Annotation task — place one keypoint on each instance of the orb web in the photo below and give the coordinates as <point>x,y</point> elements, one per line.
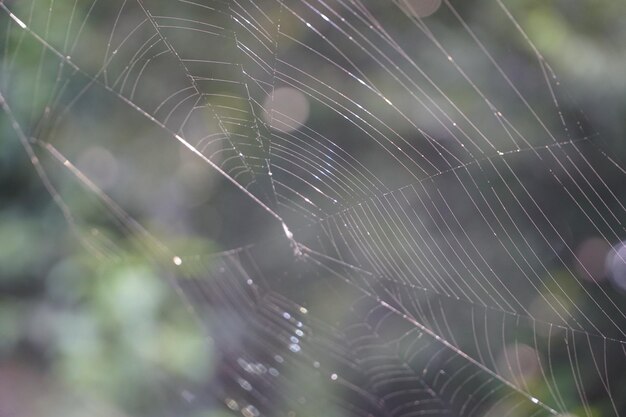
<point>398,183</point>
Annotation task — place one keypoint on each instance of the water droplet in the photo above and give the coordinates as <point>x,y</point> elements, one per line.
<point>232,404</point>
<point>250,411</point>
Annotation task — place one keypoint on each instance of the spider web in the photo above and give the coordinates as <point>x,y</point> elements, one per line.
<point>406,249</point>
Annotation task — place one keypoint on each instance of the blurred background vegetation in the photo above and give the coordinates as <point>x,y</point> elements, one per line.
<point>108,334</point>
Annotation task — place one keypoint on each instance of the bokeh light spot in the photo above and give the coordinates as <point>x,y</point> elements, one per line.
<point>99,165</point>
<point>286,110</point>
<point>420,8</point>
<point>591,255</point>
<point>616,265</point>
